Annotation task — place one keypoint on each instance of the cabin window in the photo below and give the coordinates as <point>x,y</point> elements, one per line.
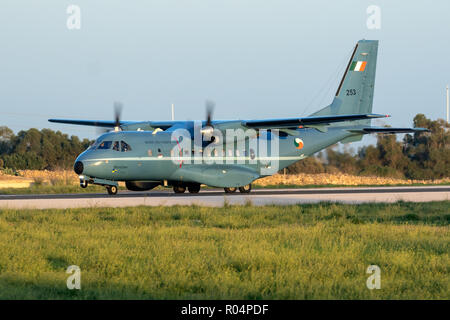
<point>116,146</point>
<point>105,145</point>
<point>124,146</point>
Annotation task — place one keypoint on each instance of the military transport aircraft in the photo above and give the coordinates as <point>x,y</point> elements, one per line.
<point>229,154</point>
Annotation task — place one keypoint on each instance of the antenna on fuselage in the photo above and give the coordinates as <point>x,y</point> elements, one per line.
<point>448,103</point>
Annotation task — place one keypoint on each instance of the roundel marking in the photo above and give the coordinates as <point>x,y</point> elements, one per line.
<point>298,143</point>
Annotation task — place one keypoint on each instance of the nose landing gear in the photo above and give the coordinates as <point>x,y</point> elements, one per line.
<point>111,186</point>
<point>83,183</point>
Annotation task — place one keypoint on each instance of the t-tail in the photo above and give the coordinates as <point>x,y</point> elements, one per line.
<point>355,92</point>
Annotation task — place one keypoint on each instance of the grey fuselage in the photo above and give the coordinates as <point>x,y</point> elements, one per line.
<point>151,158</point>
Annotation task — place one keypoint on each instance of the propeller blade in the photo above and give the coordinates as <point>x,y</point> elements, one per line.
<point>209,110</point>
<point>117,112</point>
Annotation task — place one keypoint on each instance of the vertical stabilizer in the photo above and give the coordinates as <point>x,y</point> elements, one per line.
<point>355,92</point>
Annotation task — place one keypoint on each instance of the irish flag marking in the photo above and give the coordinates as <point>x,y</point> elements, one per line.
<point>358,65</point>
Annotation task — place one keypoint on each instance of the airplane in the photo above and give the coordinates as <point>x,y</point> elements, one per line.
<point>147,154</point>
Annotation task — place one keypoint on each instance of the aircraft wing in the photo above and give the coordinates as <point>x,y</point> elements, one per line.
<point>95,123</point>
<point>388,130</point>
<point>259,124</point>
<point>316,120</point>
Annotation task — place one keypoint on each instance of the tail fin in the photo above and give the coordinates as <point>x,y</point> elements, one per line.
<point>355,92</point>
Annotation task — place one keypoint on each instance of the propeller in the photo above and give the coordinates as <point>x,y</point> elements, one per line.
<point>117,106</point>
<point>209,110</point>
<point>117,112</point>
<point>208,128</point>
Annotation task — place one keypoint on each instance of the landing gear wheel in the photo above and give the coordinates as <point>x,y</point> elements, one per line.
<point>83,184</point>
<point>112,190</point>
<point>179,189</point>
<point>230,190</point>
<point>194,188</point>
<point>246,189</point>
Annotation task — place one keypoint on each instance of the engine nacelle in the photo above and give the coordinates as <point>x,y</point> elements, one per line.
<point>141,185</point>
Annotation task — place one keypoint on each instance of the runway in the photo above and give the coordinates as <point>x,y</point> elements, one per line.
<point>217,198</point>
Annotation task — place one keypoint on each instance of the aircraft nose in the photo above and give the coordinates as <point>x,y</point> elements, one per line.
<point>78,167</point>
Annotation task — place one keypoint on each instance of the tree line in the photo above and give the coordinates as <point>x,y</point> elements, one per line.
<point>39,149</point>
<point>418,156</point>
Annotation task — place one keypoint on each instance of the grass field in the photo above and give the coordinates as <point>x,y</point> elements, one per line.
<point>235,252</point>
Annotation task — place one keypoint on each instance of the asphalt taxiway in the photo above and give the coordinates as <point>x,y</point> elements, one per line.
<point>217,198</point>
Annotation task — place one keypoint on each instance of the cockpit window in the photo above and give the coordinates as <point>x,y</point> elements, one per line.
<point>116,146</point>
<point>105,145</point>
<point>124,146</point>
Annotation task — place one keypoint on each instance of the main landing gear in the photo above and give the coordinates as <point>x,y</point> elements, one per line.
<point>244,189</point>
<point>192,188</point>
<point>112,190</point>
<point>230,190</point>
<point>179,189</point>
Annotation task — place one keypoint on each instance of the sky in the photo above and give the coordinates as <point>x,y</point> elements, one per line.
<point>255,59</point>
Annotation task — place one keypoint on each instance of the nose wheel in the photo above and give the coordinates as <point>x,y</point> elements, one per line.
<point>112,190</point>
<point>83,183</point>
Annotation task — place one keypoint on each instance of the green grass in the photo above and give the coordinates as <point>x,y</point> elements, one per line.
<point>314,251</point>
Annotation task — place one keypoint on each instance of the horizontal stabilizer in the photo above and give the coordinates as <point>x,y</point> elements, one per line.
<point>388,130</point>
<point>316,120</point>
